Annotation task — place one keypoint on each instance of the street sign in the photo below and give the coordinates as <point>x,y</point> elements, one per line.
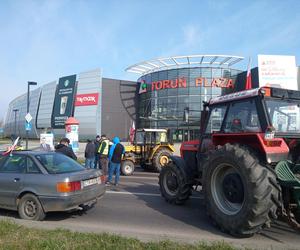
<point>28,126</point>
<point>28,117</point>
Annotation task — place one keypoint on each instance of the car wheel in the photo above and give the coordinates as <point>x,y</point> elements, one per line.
<point>30,208</point>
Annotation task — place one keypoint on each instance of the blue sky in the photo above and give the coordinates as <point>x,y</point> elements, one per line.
<point>43,40</point>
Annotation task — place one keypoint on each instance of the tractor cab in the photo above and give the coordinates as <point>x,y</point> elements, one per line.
<point>267,120</point>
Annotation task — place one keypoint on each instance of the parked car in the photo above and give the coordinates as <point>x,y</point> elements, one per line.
<point>34,183</point>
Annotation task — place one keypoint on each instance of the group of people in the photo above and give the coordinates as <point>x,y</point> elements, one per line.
<point>105,155</point>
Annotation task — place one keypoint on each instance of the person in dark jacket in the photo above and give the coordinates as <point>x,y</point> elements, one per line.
<point>97,155</point>
<point>115,156</point>
<point>63,148</point>
<point>89,154</point>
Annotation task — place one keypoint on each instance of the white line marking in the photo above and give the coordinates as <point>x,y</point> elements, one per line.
<point>140,177</point>
<point>144,194</point>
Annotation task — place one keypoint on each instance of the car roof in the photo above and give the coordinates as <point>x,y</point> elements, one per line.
<point>28,152</point>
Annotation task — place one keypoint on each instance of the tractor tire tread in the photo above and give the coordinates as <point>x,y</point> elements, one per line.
<point>264,186</point>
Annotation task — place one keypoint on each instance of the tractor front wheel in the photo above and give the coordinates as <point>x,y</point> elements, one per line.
<point>127,167</point>
<point>173,185</point>
<point>161,159</point>
<point>241,195</point>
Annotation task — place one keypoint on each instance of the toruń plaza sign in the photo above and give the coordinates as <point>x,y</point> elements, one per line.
<point>182,83</point>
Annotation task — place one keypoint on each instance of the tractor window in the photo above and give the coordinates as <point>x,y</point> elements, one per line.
<point>215,119</point>
<point>242,117</point>
<point>285,115</point>
<point>139,136</point>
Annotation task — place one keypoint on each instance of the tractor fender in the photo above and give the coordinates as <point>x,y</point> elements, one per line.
<point>183,167</point>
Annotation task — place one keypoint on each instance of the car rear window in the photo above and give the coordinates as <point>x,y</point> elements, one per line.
<point>56,163</point>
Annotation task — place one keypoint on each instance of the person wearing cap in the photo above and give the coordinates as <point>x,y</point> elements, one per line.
<point>97,155</point>
<point>103,154</point>
<point>63,148</point>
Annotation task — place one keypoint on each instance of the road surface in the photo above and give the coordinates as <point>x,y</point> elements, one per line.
<point>136,209</point>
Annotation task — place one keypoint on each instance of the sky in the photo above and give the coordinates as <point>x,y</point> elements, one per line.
<point>44,40</point>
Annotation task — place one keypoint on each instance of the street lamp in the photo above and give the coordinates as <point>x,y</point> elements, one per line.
<point>28,90</point>
<point>15,130</point>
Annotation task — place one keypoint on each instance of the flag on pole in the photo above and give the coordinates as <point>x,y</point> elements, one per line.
<point>131,132</point>
<point>12,148</point>
<point>248,78</point>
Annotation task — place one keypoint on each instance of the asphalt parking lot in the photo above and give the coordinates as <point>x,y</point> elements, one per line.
<point>136,209</point>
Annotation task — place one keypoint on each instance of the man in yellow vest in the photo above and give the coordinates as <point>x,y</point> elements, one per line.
<point>103,154</point>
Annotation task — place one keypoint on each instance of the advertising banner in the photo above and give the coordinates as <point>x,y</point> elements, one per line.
<point>64,101</point>
<point>277,71</point>
<point>72,132</point>
<point>87,99</point>
<point>48,139</point>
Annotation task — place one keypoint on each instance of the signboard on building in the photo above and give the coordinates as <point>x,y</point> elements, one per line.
<point>87,99</point>
<point>277,71</point>
<point>64,101</point>
<point>181,82</point>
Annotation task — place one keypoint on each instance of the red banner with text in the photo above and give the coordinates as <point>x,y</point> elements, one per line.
<point>87,99</point>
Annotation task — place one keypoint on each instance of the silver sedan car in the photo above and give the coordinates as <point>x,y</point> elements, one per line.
<point>34,183</point>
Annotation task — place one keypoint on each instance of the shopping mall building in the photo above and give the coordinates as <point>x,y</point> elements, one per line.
<point>167,88</point>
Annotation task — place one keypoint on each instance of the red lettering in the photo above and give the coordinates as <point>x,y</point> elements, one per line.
<point>174,83</point>
<point>153,84</point>
<point>206,84</point>
<point>159,85</point>
<point>199,82</point>
<point>214,83</point>
<point>230,84</point>
<point>166,84</point>
<point>182,82</point>
<point>222,82</point>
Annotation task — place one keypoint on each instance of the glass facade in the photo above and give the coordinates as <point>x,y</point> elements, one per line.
<point>166,96</point>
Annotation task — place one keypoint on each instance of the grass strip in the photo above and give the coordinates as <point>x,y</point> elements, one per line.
<point>14,236</point>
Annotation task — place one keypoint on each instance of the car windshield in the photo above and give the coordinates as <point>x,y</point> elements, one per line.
<point>56,163</point>
<point>285,115</point>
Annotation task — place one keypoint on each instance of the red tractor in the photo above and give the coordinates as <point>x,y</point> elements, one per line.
<point>246,161</point>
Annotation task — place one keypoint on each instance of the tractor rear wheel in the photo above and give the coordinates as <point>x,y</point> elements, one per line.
<point>241,195</point>
<point>161,159</point>
<point>173,185</point>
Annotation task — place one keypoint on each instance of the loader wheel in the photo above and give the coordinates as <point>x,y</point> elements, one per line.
<point>127,167</point>
<point>173,185</point>
<point>241,195</point>
<point>161,159</point>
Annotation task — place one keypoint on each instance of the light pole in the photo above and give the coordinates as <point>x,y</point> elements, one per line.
<point>15,130</point>
<point>186,119</point>
<point>28,91</point>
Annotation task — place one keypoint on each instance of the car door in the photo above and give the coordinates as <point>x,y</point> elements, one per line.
<point>12,171</point>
